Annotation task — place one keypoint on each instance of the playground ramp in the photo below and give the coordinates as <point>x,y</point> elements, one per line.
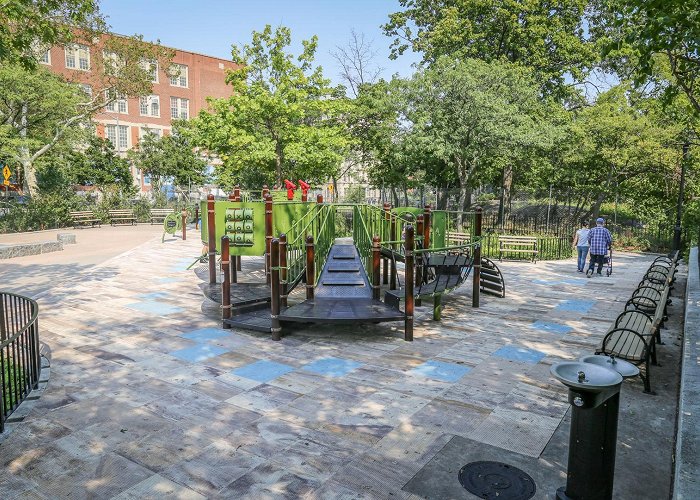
<point>343,295</point>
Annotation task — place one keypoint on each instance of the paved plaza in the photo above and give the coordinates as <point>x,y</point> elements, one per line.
<point>149,398</point>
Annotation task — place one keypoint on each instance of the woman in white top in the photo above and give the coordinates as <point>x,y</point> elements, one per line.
<point>581,244</point>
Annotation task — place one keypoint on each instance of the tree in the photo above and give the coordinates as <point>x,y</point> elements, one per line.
<point>549,37</point>
<point>38,109</point>
<point>283,119</point>
<point>475,116</point>
<point>648,37</point>
<point>356,61</point>
<point>28,27</point>
<point>170,158</point>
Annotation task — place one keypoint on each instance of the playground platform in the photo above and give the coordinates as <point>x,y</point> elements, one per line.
<point>149,398</point>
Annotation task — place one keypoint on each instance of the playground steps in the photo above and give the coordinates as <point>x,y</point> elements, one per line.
<point>343,294</point>
<point>492,281</point>
<point>256,320</point>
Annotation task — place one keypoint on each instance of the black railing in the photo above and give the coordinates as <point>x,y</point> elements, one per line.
<point>20,362</point>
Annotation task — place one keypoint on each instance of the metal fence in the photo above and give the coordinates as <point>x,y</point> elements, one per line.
<point>20,362</point>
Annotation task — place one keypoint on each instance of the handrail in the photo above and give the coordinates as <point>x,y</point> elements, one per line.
<point>19,351</point>
<point>296,242</point>
<point>362,239</point>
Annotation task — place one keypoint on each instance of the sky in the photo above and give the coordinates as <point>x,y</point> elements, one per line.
<point>211,26</point>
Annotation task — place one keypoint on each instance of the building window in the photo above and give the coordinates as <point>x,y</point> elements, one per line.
<point>119,105</point>
<point>179,108</point>
<point>78,57</point>
<point>113,64</point>
<point>151,66</point>
<point>45,58</point>
<point>118,135</point>
<point>178,76</point>
<point>150,131</point>
<point>149,106</point>
<point>86,88</point>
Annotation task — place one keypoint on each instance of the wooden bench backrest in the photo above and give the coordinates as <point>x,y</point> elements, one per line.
<point>83,213</point>
<point>528,240</point>
<point>121,212</point>
<point>162,211</point>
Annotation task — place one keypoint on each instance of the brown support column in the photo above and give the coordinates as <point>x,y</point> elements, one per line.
<point>376,260</point>
<point>196,217</point>
<point>226,283</point>
<point>419,258</point>
<point>265,191</point>
<point>275,327</point>
<point>231,197</point>
<point>392,237</point>
<point>283,268</point>
<point>183,214</point>
<point>304,195</point>
<point>319,198</point>
<point>385,232</point>
<point>268,236</point>
<point>211,230</point>
<point>409,246</point>
<point>476,285</point>
<point>236,193</point>
<point>310,268</point>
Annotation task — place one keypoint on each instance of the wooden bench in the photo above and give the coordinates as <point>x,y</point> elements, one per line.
<point>159,214</point>
<point>517,244</point>
<point>455,238</point>
<point>84,218</point>
<point>125,216</point>
<point>632,338</point>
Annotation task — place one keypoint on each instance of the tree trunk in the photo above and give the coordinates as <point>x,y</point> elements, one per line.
<point>504,207</point>
<point>443,195</point>
<point>405,196</point>
<point>394,196</point>
<point>30,184</point>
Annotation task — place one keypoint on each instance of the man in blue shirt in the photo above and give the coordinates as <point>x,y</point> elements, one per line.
<point>599,240</point>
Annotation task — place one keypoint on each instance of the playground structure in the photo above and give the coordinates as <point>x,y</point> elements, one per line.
<point>343,254</point>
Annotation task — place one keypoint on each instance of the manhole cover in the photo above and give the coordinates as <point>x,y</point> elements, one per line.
<point>494,480</point>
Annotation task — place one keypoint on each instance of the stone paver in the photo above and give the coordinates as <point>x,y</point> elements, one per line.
<point>149,398</point>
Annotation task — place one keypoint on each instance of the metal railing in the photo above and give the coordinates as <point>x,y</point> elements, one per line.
<point>20,363</point>
<point>318,223</point>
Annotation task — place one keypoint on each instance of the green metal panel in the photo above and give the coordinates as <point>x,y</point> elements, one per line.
<point>284,215</point>
<point>438,230</point>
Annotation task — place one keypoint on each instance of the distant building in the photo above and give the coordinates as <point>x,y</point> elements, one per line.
<point>125,121</point>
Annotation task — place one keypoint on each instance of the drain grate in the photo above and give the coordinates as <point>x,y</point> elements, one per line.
<point>495,480</point>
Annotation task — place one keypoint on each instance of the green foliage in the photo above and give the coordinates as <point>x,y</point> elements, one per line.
<point>28,26</point>
<point>548,37</point>
<point>169,158</point>
<point>282,121</point>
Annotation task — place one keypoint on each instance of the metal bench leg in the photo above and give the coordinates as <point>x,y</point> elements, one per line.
<point>437,307</point>
<point>645,377</point>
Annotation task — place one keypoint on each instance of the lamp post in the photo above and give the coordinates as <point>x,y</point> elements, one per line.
<point>679,206</point>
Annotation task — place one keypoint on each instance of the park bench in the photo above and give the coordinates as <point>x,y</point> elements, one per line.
<point>517,244</point>
<point>632,338</point>
<point>159,214</point>
<point>454,238</point>
<point>84,218</point>
<point>125,216</point>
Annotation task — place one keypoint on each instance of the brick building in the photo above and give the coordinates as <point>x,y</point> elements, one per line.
<point>125,121</point>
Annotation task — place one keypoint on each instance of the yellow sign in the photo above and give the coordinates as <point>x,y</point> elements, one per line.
<point>6,173</point>
<point>330,187</point>
<point>6,182</point>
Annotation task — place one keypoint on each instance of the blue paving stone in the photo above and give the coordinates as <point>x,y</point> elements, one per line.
<point>262,371</point>
<point>206,334</point>
<point>332,367</point>
<point>200,352</point>
<point>447,372</point>
<point>582,306</point>
<point>519,354</point>
<point>551,327</point>
<point>168,280</point>
<point>156,308</point>
<point>575,281</point>
<point>544,282</point>
<point>153,296</point>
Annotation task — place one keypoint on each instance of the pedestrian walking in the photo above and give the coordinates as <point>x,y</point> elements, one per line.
<point>581,245</point>
<point>600,242</point>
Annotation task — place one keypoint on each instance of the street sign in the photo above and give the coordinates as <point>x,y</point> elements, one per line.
<point>6,182</point>
<point>6,173</point>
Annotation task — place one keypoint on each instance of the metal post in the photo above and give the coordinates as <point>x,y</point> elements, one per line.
<point>226,282</point>
<point>237,193</point>
<point>476,285</point>
<point>211,230</point>
<point>319,198</point>
<point>427,220</point>
<point>236,197</point>
<point>196,217</point>
<point>310,271</point>
<point>275,327</point>
<point>283,268</point>
<point>184,224</point>
<point>376,259</point>
<point>265,191</point>
<point>408,322</point>
<point>679,206</point>
<point>268,236</point>
<point>385,231</point>
<point>304,196</point>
